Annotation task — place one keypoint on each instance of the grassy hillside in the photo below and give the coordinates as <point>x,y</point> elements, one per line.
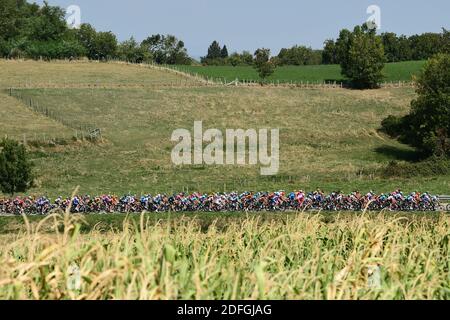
<point>35,73</point>
<point>402,71</point>
<point>328,138</point>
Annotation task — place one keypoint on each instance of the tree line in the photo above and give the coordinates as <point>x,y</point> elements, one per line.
<point>297,55</point>
<point>28,30</point>
<point>396,48</point>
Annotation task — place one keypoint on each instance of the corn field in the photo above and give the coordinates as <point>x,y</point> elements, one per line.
<point>299,257</point>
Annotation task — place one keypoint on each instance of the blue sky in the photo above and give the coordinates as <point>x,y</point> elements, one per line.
<point>251,24</point>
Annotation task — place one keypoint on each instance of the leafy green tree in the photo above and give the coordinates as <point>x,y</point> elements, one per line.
<point>177,52</point>
<point>239,59</point>
<point>247,58</point>
<point>98,45</point>
<point>362,57</point>
<point>47,24</point>
<point>166,49</point>
<point>28,30</point>
<point>342,47</point>
<point>404,49</point>
<point>427,127</point>
<point>264,66</point>
<point>329,55</point>
<point>131,51</point>
<point>315,57</point>
<point>426,45</point>
<point>445,41</point>
<point>105,45</point>
<point>391,46</point>
<point>4,48</point>
<point>416,47</point>
<point>15,168</point>
<point>299,55</point>
<point>396,48</point>
<point>86,35</point>
<point>234,59</point>
<point>9,16</point>
<point>156,47</point>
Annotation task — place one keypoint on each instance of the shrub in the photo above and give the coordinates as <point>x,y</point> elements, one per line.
<point>15,168</point>
<point>427,127</point>
<point>4,48</point>
<point>393,126</point>
<point>131,51</point>
<point>263,64</point>
<point>49,50</point>
<point>433,166</point>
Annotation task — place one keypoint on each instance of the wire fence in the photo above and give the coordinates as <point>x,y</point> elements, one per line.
<point>223,81</point>
<point>189,78</point>
<point>43,138</point>
<point>82,131</point>
<point>180,83</point>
